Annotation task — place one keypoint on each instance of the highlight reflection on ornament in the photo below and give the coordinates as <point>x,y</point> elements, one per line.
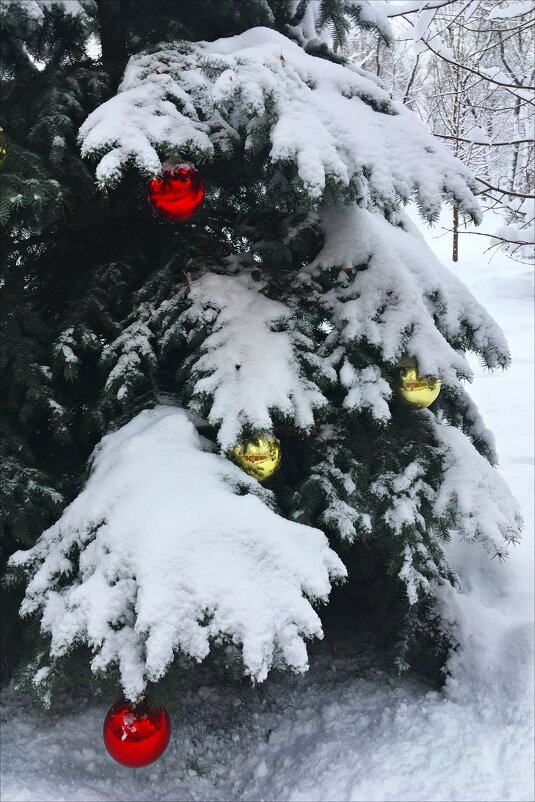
<point>136,734</point>
<point>178,194</point>
<point>258,456</point>
<point>418,391</point>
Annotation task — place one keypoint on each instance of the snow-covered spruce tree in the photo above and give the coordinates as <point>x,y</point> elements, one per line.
<point>287,305</point>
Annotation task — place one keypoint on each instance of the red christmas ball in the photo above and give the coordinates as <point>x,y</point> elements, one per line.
<point>178,194</point>
<point>136,734</point>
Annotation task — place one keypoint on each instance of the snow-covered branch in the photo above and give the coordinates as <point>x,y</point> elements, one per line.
<point>347,137</point>
<point>162,571</point>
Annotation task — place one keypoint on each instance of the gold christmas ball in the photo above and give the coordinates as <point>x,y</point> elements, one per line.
<point>259,456</point>
<point>417,391</point>
<point>3,147</point>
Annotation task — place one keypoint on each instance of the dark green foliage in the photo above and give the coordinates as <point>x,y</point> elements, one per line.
<point>332,14</point>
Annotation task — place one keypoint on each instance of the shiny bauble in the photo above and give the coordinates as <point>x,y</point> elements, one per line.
<point>415,391</point>
<point>178,194</point>
<point>3,147</point>
<point>258,456</point>
<point>136,734</point>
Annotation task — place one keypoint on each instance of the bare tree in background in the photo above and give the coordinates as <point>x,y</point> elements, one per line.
<point>468,69</point>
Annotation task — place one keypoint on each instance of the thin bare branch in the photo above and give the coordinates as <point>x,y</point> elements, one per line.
<point>509,192</point>
<point>416,7</point>
<point>486,144</point>
<point>491,236</point>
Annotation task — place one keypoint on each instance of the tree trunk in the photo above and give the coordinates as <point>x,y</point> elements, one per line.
<point>114,57</point>
<point>112,40</point>
<point>406,95</point>
<point>455,253</point>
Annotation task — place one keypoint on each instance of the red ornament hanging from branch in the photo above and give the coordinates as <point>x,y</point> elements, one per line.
<point>178,194</point>
<point>136,734</point>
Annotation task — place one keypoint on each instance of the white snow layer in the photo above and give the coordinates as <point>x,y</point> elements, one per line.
<point>247,367</point>
<point>404,301</point>
<point>333,122</point>
<point>35,8</point>
<point>159,529</point>
<point>467,479</point>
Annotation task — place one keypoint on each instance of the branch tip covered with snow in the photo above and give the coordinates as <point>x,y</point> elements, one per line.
<point>332,122</point>
<point>249,366</point>
<point>172,559</point>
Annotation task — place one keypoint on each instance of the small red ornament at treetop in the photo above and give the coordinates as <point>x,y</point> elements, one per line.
<point>136,734</point>
<point>178,194</point>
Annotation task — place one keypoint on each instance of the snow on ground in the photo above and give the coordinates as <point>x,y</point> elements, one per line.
<point>349,730</point>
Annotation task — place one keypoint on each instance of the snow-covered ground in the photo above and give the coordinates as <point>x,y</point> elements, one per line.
<point>349,730</point>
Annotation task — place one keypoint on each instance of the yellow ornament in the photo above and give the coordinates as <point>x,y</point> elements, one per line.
<point>417,391</point>
<point>258,456</point>
<point>3,147</point>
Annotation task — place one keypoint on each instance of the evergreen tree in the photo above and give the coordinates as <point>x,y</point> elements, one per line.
<point>139,353</point>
